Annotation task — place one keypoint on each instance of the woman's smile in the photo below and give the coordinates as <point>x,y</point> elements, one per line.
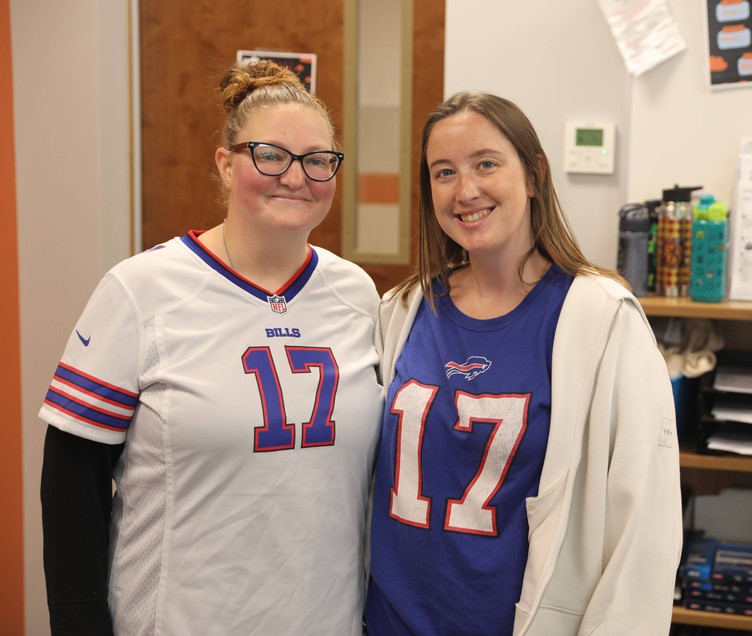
<point>477,215</point>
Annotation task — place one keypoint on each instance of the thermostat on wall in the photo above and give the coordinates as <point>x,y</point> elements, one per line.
<point>589,147</point>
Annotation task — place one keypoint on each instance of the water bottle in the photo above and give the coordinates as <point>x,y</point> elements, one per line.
<point>633,257</point>
<point>709,231</point>
<point>675,241</point>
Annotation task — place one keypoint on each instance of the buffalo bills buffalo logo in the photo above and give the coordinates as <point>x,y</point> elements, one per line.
<point>472,367</point>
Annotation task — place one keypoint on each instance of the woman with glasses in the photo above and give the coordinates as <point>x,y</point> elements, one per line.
<point>527,475</point>
<point>226,381</point>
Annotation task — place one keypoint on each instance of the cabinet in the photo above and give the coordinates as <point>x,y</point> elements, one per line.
<point>707,474</point>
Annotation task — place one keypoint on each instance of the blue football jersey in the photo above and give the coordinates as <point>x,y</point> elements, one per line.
<point>462,446</point>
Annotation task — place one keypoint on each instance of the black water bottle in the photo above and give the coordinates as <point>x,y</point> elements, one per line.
<point>633,257</point>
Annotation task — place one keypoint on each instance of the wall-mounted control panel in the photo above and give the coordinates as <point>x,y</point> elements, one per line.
<point>589,147</point>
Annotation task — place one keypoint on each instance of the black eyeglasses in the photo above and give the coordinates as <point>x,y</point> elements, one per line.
<point>273,161</point>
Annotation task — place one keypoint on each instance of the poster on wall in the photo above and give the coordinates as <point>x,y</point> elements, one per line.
<point>302,64</point>
<point>729,27</point>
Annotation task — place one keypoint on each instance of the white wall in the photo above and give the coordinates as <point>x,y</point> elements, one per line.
<point>558,62</point>
<point>683,132</point>
<point>70,84</point>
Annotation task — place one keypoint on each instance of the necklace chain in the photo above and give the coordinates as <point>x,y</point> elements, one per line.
<point>224,241</point>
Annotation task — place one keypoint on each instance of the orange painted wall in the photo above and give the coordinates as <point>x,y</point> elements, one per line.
<point>11,478</point>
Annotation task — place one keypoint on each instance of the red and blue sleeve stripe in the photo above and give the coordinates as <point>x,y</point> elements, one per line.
<point>90,400</point>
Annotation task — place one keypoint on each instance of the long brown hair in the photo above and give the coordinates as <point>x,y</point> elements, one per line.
<point>439,255</point>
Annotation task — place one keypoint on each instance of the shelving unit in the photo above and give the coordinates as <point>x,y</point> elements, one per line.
<point>706,619</point>
<point>709,473</point>
<point>726,463</point>
<point>686,308</point>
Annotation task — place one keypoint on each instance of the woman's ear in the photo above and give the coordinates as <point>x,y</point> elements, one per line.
<point>224,165</point>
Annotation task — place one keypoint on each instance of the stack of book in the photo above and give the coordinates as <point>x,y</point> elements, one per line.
<point>716,576</point>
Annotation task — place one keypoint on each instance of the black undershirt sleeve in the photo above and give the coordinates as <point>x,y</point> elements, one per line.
<point>76,493</point>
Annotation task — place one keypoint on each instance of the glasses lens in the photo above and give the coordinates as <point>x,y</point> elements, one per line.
<point>271,160</point>
<point>320,166</point>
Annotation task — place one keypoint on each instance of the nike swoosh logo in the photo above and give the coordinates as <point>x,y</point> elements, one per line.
<point>84,341</point>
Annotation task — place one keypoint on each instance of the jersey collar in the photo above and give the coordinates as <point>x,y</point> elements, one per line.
<point>277,299</point>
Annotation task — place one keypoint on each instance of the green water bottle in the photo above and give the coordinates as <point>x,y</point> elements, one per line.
<point>709,232</point>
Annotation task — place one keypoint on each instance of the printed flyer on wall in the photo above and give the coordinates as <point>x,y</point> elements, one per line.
<point>646,33</point>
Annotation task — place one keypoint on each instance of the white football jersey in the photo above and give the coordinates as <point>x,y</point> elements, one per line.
<point>249,420</point>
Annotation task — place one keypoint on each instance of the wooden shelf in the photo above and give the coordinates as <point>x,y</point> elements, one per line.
<point>685,307</point>
<point>711,619</point>
<point>731,463</point>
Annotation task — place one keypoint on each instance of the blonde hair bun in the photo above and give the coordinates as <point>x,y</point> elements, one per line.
<point>241,80</point>
<point>246,88</point>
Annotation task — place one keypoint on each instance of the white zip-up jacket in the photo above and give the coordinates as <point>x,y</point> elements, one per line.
<point>606,527</point>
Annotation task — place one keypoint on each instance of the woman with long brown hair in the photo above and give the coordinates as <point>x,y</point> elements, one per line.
<point>527,476</point>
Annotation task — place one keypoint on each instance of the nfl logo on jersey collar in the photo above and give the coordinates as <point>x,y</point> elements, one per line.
<point>278,304</point>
